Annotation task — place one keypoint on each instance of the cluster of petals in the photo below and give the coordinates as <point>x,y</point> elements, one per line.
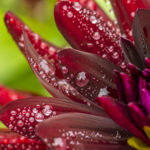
<point>100,86</point>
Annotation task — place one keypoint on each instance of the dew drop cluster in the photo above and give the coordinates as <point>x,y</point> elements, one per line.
<point>97,36</point>
<point>24,120</point>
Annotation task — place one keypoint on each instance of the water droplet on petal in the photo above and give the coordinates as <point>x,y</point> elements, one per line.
<point>81,79</point>
<point>47,110</point>
<point>64,69</point>
<point>103,92</point>
<point>34,110</point>
<point>64,7</point>
<point>10,126</point>
<point>77,6</point>
<point>39,117</point>
<point>13,112</point>
<point>31,119</point>
<point>69,14</point>
<point>20,123</point>
<point>90,45</point>
<point>96,36</point>
<point>93,19</point>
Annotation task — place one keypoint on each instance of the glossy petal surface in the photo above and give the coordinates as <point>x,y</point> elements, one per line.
<point>15,28</point>
<point>119,113</point>
<point>144,94</point>
<point>40,49</point>
<point>141,38</point>
<point>50,81</point>
<point>81,130</point>
<point>12,141</point>
<point>92,5</point>
<point>131,53</point>
<point>134,71</point>
<point>125,11</point>
<point>90,74</point>
<point>130,87</point>
<point>8,95</point>
<point>138,115</point>
<point>23,115</point>
<point>96,36</point>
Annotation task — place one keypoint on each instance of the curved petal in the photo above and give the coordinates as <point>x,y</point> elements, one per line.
<point>146,74</point>
<point>119,86</point>
<point>45,71</point>
<point>119,113</point>
<point>23,115</point>
<point>138,115</point>
<point>125,12</point>
<point>93,6</point>
<point>141,38</point>
<point>90,74</point>
<point>144,94</point>
<point>12,141</point>
<point>86,32</point>
<point>131,54</point>
<point>81,129</point>
<point>48,60</point>
<point>8,95</point>
<point>130,87</point>
<point>134,71</point>
<point>15,28</point>
<point>127,87</point>
<point>147,62</point>
<point>145,99</point>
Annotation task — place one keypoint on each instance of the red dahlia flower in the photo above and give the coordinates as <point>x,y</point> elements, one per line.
<point>81,81</point>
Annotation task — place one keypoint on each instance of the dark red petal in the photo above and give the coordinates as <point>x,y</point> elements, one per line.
<point>146,74</point>
<point>134,71</point>
<point>86,32</point>
<point>81,129</point>
<point>124,146</point>
<point>130,87</point>
<point>145,99</point>
<point>131,54</point>
<point>90,74</point>
<point>138,115</point>
<point>119,113</point>
<point>127,87</point>
<point>45,71</point>
<point>125,12</point>
<point>119,85</point>
<point>8,95</point>
<point>23,115</point>
<point>144,90</point>
<point>12,141</point>
<point>142,37</point>
<point>93,6</point>
<point>15,28</point>
<point>147,62</point>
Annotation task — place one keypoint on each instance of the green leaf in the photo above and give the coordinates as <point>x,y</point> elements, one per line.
<point>106,6</point>
<point>2,125</point>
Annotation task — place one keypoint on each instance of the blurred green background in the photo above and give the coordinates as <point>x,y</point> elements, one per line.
<point>38,14</point>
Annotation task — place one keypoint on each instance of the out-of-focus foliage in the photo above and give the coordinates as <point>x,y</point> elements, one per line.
<point>106,6</point>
